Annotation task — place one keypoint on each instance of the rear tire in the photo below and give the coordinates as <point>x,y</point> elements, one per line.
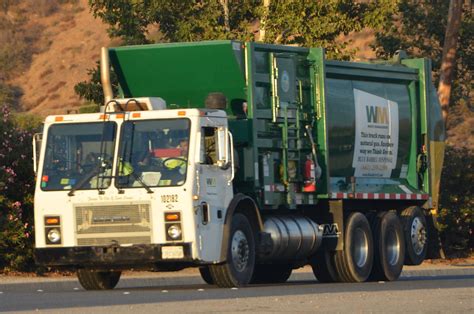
<point>272,273</point>
<point>354,263</point>
<point>237,271</point>
<point>206,275</point>
<point>389,247</point>
<point>416,235</point>
<point>323,266</point>
<point>98,280</point>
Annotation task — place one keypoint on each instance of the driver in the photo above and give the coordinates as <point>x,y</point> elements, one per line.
<point>179,162</point>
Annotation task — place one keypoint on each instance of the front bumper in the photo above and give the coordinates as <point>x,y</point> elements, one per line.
<point>134,256</point>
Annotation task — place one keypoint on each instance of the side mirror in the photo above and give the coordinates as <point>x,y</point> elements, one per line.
<point>37,139</point>
<point>223,157</point>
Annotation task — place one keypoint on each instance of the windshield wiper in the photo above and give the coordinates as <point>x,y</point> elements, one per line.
<point>140,180</point>
<point>86,179</point>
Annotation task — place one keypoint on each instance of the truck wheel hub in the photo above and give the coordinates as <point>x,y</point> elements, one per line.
<point>240,251</point>
<point>418,235</point>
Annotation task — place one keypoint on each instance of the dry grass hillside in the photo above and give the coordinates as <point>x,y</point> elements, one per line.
<point>69,44</point>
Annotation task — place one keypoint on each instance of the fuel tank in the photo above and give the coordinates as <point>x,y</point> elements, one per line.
<point>294,237</point>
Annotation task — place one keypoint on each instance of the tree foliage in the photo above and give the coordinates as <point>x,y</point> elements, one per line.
<point>92,90</point>
<point>320,23</point>
<point>419,27</point>
<point>457,202</point>
<point>299,22</point>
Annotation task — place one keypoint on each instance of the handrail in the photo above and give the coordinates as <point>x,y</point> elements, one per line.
<point>232,171</point>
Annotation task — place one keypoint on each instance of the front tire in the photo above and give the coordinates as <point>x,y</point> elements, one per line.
<point>389,247</point>
<point>416,235</point>
<point>206,275</point>
<point>354,263</point>
<point>238,269</point>
<point>98,280</point>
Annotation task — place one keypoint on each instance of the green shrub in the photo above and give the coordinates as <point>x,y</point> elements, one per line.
<point>457,202</point>
<point>89,108</point>
<point>10,95</point>
<point>91,90</point>
<point>16,195</point>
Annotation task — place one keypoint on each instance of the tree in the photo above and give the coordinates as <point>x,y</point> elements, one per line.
<point>92,90</point>
<point>299,22</point>
<point>320,23</point>
<point>420,28</point>
<point>448,61</point>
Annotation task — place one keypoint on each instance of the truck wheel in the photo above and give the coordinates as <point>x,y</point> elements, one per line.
<point>323,267</point>
<point>416,235</point>
<point>206,275</point>
<point>272,273</point>
<point>98,280</point>
<point>354,263</point>
<point>389,247</point>
<point>238,269</point>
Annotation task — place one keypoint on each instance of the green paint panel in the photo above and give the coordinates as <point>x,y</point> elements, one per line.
<point>182,74</point>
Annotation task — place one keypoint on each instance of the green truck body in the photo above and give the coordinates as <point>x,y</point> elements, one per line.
<point>287,89</point>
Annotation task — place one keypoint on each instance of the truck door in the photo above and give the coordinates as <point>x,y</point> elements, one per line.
<point>215,190</point>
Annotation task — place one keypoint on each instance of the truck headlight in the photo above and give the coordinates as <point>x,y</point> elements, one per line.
<point>174,232</point>
<point>53,235</point>
<point>52,229</point>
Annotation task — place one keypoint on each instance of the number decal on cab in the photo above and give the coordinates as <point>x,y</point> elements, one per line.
<point>169,198</point>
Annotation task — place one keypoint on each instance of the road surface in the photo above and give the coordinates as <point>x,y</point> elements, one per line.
<point>427,290</point>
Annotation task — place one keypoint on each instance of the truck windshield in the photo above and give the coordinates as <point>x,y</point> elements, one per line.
<point>153,153</point>
<point>73,154</point>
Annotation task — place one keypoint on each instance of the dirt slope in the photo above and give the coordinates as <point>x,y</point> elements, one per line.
<point>72,41</point>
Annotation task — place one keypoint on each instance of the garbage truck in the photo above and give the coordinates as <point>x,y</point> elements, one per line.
<point>245,160</point>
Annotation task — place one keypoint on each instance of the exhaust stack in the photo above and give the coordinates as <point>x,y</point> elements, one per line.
<point>105,77</point>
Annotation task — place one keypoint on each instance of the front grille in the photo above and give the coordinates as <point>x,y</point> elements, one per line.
<point>108,241</point>
<point>113,224</point>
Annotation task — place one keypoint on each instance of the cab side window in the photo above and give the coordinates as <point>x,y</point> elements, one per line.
<point>208,145</point>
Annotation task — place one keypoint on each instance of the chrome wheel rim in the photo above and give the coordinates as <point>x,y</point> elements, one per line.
<point>418,235</point>
<point>240,251</point>
<point>392,247</point>
<point>360,250</point>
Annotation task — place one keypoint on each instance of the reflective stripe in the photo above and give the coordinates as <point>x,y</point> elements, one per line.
<point>382,196</point>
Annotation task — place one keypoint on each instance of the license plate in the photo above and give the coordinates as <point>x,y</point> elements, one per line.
<point>172,252</point>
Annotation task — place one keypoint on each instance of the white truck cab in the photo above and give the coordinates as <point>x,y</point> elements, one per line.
<point>151,185</point>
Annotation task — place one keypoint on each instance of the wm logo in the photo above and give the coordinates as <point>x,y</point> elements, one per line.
<point>331,231</point>
<point>211,182</point>
<point>376,114</point>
